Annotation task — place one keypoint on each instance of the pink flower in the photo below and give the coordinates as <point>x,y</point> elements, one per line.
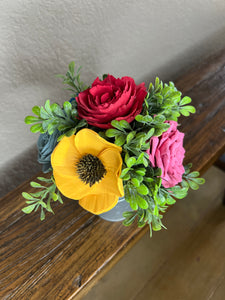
<point>167,153</point>
<point>111,99</point>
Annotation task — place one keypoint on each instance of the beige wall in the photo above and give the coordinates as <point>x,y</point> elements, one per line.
<point>139,38</point>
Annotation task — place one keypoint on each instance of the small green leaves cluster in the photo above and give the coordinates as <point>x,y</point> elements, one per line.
<point>43,198</point>
<point>157,199</point>
<point>52,117</point>
<point>191,179</point>
<point>141,182</point>
<point>165,99</point>
<point>72,79</point>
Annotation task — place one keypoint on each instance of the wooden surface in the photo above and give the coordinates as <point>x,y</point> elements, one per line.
<point>67,253</point>
<point>205,131</point>
<point>184,262</point>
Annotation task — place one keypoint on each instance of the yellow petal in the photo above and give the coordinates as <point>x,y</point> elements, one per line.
<point>111,160</point>
<point>65,156</point>
<point>109,184</point>
<point>71,186</point>
<point>88,141</point>
<point>98,204</point>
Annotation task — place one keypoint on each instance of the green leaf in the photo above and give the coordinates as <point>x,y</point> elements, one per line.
<point>67,106</point>
<point>60,76</point>
<point>36,110</point>
<point>70,132</point>
<point>48,107</point>
<point>149,134</point>
<point>59,198</point>
<point>117,125</point>
<point>142,203</point>
<point>112,132</point>
<point>140,118</point>
<point>120,139</point>
<point>193,185</point>
<point>44,179</point>
<point>185,100</point>
<point>142,189</point>
<point>133,204</point>
<point>28,209</point>
<point>42,214</point>
<point>194,174</point>
<point>187,109</point>
<point>126,157</point>
<point>141,171</point>
<point>156,211</point>
<point>52,127</point>
<point>38,194</point>
<point>170,200</point>
<point>131,161</point>
<point>72,67</point>
<point>36,185</point>
<point>44,115</point>
<point>57,110</point>
<point>130,136</point>
<point>54,196</point>
<point>184,112</point>
<point>43,204</point>
<point>159,118</point>
<point>135,182</point>
<point>198,180</point>
<point>31,120</point>
<point>140,158</point>
<point>124,172</point>
<point>138,177</point>
<point>27,196</point>
<point>156,226</point>
<point>126,177</point>
<point>149,179</point>
<point>145,162</point>
<point>36,128</point>
<point>129,221</point>
<point>124,124</point>
<point>46,123</point>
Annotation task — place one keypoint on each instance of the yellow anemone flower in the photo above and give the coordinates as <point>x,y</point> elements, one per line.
<point>87,168</point>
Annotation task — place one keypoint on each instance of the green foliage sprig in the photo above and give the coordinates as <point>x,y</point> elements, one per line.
<point>43,198</point>
<point>52,117</point>
<point>164,99</point>
<point>72,79</point>
<point>159,198</point>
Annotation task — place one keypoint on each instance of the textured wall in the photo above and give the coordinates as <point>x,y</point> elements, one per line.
<point>139,38</point>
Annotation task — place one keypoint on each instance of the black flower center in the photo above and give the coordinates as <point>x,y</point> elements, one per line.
<point>90,169</point>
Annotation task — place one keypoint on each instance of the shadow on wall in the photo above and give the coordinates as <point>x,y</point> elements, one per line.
<point>19,170</point>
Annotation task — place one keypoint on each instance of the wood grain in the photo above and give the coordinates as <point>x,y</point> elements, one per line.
<point>61,257</point>
<point>196,267</point>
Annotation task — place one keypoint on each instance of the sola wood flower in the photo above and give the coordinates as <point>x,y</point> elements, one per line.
<point>167,153</point>
<point>111,99</point>
<point>87,168</point>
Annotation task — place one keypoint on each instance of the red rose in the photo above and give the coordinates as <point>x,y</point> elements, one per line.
<point>167,153</point>
<point>111,99</point>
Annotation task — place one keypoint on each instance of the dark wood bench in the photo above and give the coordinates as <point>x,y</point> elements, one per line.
<point>64,256</point>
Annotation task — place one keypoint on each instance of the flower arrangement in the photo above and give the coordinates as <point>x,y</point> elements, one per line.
<point>113,139</point>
